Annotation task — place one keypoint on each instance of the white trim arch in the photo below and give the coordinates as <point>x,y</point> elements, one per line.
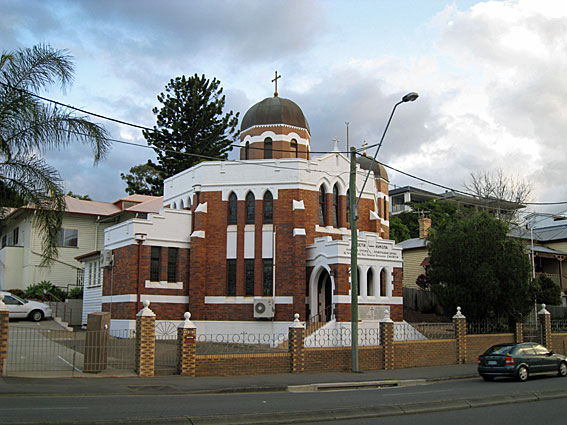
<point>313,282</point>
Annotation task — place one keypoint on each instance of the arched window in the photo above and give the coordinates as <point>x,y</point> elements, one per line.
<point>232,217</point>
<point>348,208</point>
<point>250,210</point>
<point>335,206</point>
<point>294,148</point>
<point>268,148</point>
<point>247,151</point>
<point>322,217</point>
<point>370,282</point>
<point>383,283</point>
<point>268,207</point>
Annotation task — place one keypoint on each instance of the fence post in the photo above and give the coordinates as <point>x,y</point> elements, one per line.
<point>296,339</point>
<point>4,326</point>
<point>387,340</point>
<point>519,332</point>
<point>145,341</point>
<point>186,347</point>
<point>544,318</point>
<point>460,323</point>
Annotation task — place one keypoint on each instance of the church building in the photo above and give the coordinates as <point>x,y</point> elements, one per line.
<point>243,245</point>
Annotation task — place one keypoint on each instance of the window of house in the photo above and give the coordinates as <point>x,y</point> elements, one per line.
<point>69,237</point>
<point>249,277</point>
<point>232,209</point>
<point>231,278</point>
<point>335,206</point>
<point>154,263</point>
<point>247,151</point>
<point>383,283</point>
<point>15,236</point>
<point>294,150</point>
<point>370,282</point>
<point>172,264</point>
<point>268,207</point>
<point>322,206</point>
<point>268,277</point>
<point>250,209</point>
<point>268,148</point>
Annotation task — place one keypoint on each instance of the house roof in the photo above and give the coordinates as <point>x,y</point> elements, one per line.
<point>150,206</point>
<point>79,206</point>
<point>544,250</point>
<point>413,243</point>
<point>542,234</point>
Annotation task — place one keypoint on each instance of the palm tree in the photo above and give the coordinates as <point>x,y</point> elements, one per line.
<point>29,127</point>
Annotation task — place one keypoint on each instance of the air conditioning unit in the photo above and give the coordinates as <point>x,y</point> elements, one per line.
<point>264,309</point>
<point>106,258</point>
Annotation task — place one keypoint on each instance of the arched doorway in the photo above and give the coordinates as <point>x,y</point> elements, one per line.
<point>324,299</point>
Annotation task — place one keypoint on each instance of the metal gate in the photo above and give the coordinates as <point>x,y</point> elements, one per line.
<point>533,331</point>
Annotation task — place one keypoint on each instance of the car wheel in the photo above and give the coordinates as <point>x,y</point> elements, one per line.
<point>36,315</point>
<point>523,374</point>
<point>562,369</point>
<point>487,378</point>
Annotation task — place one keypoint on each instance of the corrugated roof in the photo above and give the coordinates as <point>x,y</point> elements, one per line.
<point>413,243</point>
<point>79,206</point>
<point>137,198</point>
<point>151,206</point>
<point>543,234</point>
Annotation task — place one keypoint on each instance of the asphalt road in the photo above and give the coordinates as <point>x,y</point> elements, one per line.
<point>230,408</point>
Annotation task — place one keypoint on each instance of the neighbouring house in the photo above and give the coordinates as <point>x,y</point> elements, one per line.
<point>415,254</point>
<point>243,245</point>
<point>82,232</point>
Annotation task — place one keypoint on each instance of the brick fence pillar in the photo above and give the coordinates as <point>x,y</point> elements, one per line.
<point>519,332</point>
<point>296,339</point>
<point>145,341</point>
<point>187,347</point>
<point>4,326</point>
<point>460,322</point>
<point>544,319</point>
<point>387,340</point>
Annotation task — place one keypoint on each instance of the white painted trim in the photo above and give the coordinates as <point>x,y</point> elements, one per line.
<point>331,229</point>
<point>124,298</point>
<point>298,205</point>
<point>166,299</point>
<point>299,232</point>
<point>374,215</point>
<point>162,284</point>
<point>345,299</point>
<point>201,208</point>
<point>245,300</point>
<point>198,234</point>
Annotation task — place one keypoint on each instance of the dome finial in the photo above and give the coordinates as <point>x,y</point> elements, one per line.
<point>275,80</point>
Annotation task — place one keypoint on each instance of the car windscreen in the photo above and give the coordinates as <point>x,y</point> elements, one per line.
<point>19,299</point>
<point>499,349</point>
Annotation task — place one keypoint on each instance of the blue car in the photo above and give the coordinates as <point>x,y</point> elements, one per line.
<point>520,360</point>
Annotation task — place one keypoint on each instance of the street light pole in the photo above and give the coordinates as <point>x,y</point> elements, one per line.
<point>353,202</point>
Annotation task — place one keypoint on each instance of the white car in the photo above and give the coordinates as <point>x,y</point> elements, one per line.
<point>21,309</point>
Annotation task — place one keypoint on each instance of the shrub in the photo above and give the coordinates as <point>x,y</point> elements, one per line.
<point>45,291</point>
<point>76,293</point>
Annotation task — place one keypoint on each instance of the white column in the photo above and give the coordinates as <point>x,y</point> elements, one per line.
<point>363,281</point>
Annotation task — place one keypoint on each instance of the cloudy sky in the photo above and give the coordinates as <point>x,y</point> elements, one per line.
<point>490,75</point>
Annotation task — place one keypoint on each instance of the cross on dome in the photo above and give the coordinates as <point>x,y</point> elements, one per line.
<point>275,80</point>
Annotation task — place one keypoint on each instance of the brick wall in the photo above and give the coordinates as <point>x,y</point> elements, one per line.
<point>560,343</point>
<point>477,344</point>
<point>242,364</point>
<point>425,353</point>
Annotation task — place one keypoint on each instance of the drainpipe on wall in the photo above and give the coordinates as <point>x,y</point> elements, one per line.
<point>140,238</point>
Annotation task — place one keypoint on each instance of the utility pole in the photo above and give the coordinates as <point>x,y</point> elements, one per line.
<point>353,261</point>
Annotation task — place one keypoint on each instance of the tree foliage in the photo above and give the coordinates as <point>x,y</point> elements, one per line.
<point>475,266</point>
<point>143,179</point>
<point>406,225</point>
<point>547,291</point>
<point>30,127</point>
<point>190,128</point>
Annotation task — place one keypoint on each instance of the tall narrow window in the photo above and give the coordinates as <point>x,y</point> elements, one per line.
<point>247,151</point>
<point>335,206</point>
<point>232,208</point>
<point>294,151</point>
<point>370,282</point>
<point>268,148</point>
<point>250,209</point>
<point>172,264</point>
<point>383,283</point>
<point>268,277</point>
<point>15,237</point>
<point>348,208</point>
<point>249,277</point>
<point>231,278</point>
<point>154,263</point>
<point>322,206</point>
<point>68,237</point>
<point>268,207</point>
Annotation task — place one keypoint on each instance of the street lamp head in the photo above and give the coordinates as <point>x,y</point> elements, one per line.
<point>410,97</point>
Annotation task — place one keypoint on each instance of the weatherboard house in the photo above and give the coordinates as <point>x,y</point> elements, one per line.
<point>244,245</point>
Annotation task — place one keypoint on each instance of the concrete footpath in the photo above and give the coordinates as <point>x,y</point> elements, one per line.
<point>93,385</point>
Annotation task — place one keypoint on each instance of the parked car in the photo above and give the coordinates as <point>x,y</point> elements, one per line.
<point>21,309</point>
<point>520,360</point>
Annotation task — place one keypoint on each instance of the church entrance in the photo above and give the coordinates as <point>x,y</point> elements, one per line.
<point>324,298</point>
